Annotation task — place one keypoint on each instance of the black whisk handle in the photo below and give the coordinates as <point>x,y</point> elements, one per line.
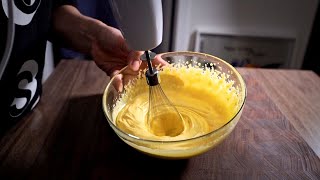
<point>152,78</point>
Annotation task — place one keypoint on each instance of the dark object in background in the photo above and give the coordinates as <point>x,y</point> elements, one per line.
<point>312,56</point>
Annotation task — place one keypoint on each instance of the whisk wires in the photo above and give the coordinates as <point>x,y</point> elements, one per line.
<point>163,118</point>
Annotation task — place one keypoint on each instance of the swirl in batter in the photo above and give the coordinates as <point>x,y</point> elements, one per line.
<point>205,98</point>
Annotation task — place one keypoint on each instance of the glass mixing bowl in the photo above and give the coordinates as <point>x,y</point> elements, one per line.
<point>185,148</point>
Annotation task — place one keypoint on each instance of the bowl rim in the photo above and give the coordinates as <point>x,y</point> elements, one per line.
<point>124,134</point>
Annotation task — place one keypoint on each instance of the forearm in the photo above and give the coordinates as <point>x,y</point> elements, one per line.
<point>75,30</point>
<point>106,44</point>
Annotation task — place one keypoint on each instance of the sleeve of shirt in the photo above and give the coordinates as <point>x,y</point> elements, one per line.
<point>56,4</point>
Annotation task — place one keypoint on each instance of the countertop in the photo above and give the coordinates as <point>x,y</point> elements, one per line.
<point>67,136</point>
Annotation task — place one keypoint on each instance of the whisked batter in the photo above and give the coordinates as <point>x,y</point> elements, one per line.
<point>206,99</point>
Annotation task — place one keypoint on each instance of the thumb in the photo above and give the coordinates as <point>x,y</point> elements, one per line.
<point>134,60</point>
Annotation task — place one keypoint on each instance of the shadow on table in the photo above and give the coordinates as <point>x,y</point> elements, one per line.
<point>84,146</point>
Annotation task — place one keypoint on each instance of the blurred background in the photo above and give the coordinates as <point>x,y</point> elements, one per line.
<point>247,33</point>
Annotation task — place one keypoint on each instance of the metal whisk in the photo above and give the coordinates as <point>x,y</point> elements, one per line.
<point>163,117</point>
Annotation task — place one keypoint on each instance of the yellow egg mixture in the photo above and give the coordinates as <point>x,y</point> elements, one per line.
<point>206,100</point>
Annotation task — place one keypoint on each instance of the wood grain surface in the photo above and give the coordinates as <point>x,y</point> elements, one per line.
<point>297,95</point>
<point>67,136</point>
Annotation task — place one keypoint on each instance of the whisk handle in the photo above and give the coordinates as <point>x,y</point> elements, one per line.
<point>152,78</point>
<point>151,73</point>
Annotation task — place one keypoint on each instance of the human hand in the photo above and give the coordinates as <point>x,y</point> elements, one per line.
<point>111,53</point>
<point>124,76</point>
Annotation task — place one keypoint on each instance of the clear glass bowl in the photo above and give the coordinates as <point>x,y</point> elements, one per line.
<point>183,148</point>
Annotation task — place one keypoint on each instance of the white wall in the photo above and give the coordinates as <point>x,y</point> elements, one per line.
<point>275,18</point>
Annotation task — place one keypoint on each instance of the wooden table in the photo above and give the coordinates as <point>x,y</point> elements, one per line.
<point>67,137</point>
